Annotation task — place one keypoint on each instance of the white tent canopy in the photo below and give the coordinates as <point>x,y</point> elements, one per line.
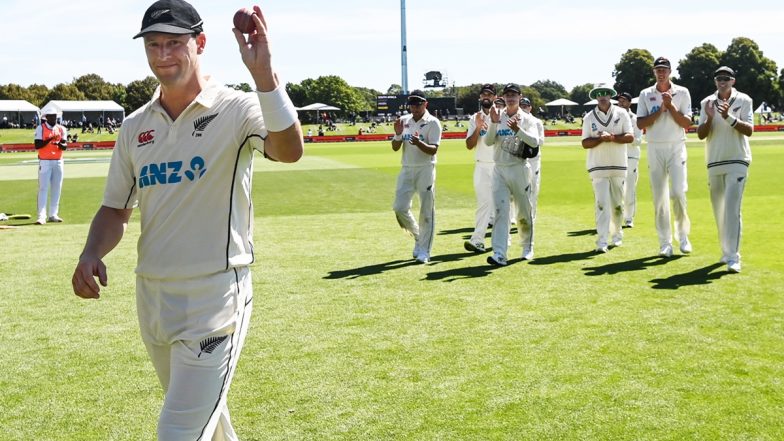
<point>17,106</point>
<point>561,102</point>
<point>93,111</point>
<point>17,113</point>
<point>318,106</point>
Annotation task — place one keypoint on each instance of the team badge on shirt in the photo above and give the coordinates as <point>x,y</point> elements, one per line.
<point>200,124</point>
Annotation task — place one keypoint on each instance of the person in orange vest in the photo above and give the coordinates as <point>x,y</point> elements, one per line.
<point>50,142</point>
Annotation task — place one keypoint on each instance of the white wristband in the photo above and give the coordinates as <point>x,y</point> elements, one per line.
<point>397,137</point>
<point>731,120</point>
<point>277,109</point>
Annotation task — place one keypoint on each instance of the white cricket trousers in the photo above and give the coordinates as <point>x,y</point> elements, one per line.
<point>726,191</point>
<point>420,180</point>
<point>536,180</point>
<point>194,330</point>
<point>512,181</point>
<point>667,163</point>
<point>50,176</point>
<point>608,197</point>
<point>483,188</point>
<point>632,176</point>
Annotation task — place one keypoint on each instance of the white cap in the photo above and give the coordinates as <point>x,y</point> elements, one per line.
<point>51,109</point>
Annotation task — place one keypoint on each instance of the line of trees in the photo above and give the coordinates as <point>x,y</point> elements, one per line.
<point>756,74</point>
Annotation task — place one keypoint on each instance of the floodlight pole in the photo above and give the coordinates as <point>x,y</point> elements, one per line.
<point>403,48</point>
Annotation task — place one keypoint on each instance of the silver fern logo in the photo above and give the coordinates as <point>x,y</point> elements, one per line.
<point>209,344</point>
<point>200,124</point>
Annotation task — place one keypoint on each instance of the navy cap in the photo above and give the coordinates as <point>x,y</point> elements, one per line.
<point>171,17</point>
<point>488,87</point>
<point>512,87</point>
<point>662,62</point>
<point>416,97</point>
<point>724,70</point>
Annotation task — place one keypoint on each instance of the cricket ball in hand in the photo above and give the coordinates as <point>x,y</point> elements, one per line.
<point>243,20</point>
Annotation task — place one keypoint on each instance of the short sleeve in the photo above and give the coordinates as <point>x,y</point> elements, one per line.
<point>121,188</point>
<point>471,126</point>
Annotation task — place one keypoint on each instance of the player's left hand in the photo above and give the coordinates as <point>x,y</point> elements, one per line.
<point>513,123</point>
<point>666,100</point>
<point>255,50</point>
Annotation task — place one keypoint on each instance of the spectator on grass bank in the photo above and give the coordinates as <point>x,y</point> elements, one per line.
<point>50,143</point>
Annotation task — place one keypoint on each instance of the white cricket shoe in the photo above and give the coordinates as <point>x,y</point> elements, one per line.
<point>602,249</point>
<point>617,241</point>
<point>666,251</point>
<point>629,223</point>
<point>724,259</point>
<point>55,218</point>
<point>474,247</point>
<point>423,258</point>
<point>41,221</point>
<point>496,260</point>
<point>733,266</point>
<point>528,253</point>
<point>685,245</point>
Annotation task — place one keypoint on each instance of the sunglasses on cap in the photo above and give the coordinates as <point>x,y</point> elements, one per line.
<point>602,93</point>
<point>722,78</point>
<point>416,104</point>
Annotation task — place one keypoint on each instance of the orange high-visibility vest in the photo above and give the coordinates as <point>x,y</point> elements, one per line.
<point>50,150</point>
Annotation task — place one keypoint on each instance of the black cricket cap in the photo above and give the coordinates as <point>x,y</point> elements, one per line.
<point>171,17</point>
<point>512,87</point>
<point>724,70</point>
<point>416,97</point>
<point>662,62</point>
<point>626,95</point>
<point>488,87</point>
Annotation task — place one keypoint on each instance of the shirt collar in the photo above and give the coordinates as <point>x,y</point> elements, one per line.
<point>206,97</point>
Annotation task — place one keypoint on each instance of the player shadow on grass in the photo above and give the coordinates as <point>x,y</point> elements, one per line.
<point>379,268</point>
<point>629,265</point>
<point>590,232</point>
<point>563,258</point>
<point>468,272</point>
<point>468,232</point>
<point>700,276</point>
<point>370,270</point>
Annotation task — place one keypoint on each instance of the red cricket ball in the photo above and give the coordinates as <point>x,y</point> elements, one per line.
<point>243,20</point>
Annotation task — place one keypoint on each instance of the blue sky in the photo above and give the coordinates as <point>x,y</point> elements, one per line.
<point>469,41</point>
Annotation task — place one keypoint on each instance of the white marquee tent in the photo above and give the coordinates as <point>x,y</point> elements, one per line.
<point>93,110</point>
<point>18,112</point>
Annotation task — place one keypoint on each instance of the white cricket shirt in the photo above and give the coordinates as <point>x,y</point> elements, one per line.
<point>727,149</point>
<point>191,179</point>
<point>608,158</point>
<point>506,142</point>
<point>664,129</point>
<point>484,152</point>
<point>428,129</point>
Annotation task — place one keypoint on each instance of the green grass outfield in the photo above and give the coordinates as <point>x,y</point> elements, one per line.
<point>352,341</point>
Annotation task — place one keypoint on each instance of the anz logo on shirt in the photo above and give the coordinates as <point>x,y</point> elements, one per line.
<point>164,173</point>
<point>505,132</point>
<point>407,137</point>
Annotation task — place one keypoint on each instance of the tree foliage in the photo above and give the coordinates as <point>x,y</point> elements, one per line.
<point>65,92</point>
<point>330,89</point>
<point>94,87</point>
<point>579,94</point>
<point>755,74</point>
<point>139,92</point>
<point>13,92</point>
<point>549,90</point>
<point>696,71</point>
<point>633,72</point>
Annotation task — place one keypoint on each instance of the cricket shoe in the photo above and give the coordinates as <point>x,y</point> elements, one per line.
<point>666,250</point>
<point>40,221</point>
<point>55,218</point>
<point>629,223</point>
<point>685,245</point>
<point>474,247</point>
<point>528,253</point>
<point>733,266</point>
<point>724,259</point>
<point>496,260</point>
<point>601,249</point>
<point>423,258</point>
<point>617,241</point>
